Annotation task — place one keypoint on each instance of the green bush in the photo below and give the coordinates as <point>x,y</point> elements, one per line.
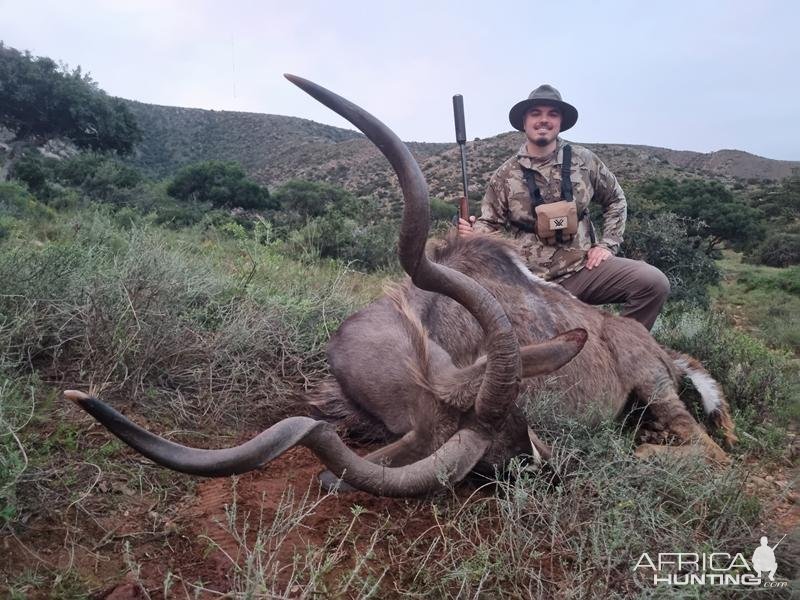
<point>442,210</point>
<point>178,216</point>
<point>16,201</point>
<point>296,202</point>
<point>98,177</point>
<point>371,246</point>
<point>724,216</point>
<point>320,220</point>
<point>780,249</point>
<point>660,239</point>
<point>33,169</point>
<point>221,184</point>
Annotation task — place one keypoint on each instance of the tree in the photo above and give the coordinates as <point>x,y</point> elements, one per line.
<point>39,98</point>
<point>660,239</point>
<point>781,208</point>
<point>781,203</point>
<point>99,176</point>
<point>330,222</point>
<point>300,200</point>
<point>714,213</point>
<point>781,249</point>
<point>222,184</point>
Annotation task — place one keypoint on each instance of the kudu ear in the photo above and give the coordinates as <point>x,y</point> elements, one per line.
<point>461,387</point>
<point>538,359</point>
<point>546,357</point>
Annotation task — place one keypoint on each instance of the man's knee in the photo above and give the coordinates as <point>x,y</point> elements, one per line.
<point>652,282</point>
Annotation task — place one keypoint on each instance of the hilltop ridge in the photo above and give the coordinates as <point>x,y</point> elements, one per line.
<point>275,148</point>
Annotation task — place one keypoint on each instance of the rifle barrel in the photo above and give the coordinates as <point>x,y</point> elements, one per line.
<point>779,541</point>
<point>461,138</point>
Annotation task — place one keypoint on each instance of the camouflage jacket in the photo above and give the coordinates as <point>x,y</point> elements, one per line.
<point>507,201</point>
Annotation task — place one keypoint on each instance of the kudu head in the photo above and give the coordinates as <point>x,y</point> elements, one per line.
<point>498,372</point>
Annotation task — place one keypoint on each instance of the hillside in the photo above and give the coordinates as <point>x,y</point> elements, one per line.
<point>274,149</point>
<point>177,136</point>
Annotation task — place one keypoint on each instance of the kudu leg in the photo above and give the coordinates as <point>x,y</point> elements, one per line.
<point>670,412</point>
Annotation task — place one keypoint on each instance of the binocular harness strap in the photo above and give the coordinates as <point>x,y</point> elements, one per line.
<point>566,194</point>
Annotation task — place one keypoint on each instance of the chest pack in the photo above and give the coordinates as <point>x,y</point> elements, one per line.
<point>555,222</point>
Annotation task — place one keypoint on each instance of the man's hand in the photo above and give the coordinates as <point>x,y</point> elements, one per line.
<point>465,227</point>
<point>596,255</point>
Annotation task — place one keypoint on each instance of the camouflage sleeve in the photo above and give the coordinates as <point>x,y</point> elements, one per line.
<point>494,209</point>
<point>609,194</point>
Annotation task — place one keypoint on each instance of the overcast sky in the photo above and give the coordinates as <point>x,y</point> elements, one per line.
<point>688,75</point>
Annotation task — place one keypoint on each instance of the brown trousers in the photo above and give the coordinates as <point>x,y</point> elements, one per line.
<point>641,287</point>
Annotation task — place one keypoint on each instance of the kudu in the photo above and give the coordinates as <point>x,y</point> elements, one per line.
<point>437,363</point>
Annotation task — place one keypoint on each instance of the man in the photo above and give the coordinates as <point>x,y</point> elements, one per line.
<point>530,184</point>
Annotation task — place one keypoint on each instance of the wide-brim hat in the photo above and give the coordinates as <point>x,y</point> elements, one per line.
<point>544,94</point>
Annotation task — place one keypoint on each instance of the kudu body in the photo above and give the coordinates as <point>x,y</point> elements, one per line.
<point>436,364</point>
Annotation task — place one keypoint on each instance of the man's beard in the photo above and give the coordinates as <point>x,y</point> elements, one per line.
<point>541,142</point>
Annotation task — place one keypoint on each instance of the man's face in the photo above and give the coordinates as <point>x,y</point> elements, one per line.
<point>542,124</point>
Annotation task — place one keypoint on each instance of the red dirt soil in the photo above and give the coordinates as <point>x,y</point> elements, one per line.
<point>258,497</point>
<point>197,546</point>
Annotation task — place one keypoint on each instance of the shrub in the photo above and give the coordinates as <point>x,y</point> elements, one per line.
<point>99,177</point>
<point>442,210</point>
<point>33,169</point>
<point>724,215</point>
<point>221,184</point>
<point>16,201</point>
<point>134,313</point>
<point>780,249</point>
<point>660,239</point>
<point>320,220</point>
<point>178,216</point>
<point>296,202</point>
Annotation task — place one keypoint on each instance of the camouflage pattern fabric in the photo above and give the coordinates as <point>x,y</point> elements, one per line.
<point>507,208</point>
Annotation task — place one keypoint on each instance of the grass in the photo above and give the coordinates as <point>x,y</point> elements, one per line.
<point>765,301</point>
<point>16,412</point>
<point>190,330</point>
<point>174,321</point>
<point>216,329</point>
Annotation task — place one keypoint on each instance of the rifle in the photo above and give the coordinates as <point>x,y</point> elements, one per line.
<point>461,138</point>
<point>779,541</point>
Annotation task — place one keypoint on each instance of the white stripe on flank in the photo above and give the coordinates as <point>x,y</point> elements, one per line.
<point>535,278</point>
<point>704,384</point>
